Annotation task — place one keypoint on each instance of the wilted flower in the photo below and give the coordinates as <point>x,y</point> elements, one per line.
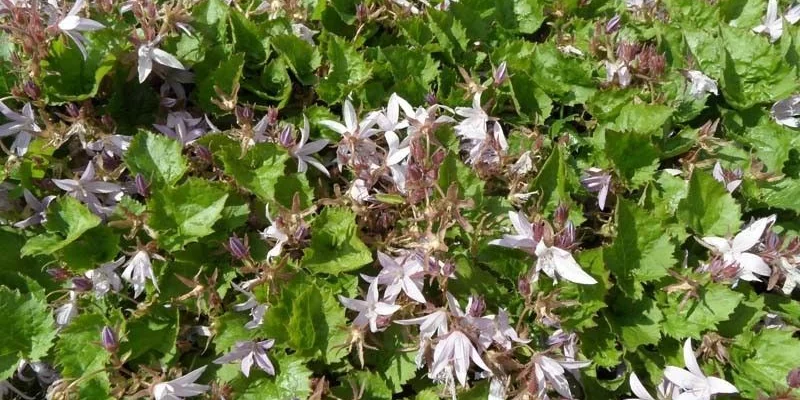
<point>786,112</point>
<point>72,25</point>
<point>524,240</point>
<point>731,179</point>
<point>664,390</point>
<point>249,352</point>
<point>400,274</point>
<point>148,53</point>
<point>736,250</point>
<point>109,339</point>
<point>550,373</point>
<point>23,125</point>
<point>701,84</point>
<point>303,150</point>
<point>179,388</point>
<point>137,270</point>
<point>694,383</point>
<point>556,262</point>
<point>105,278</point>
<point>619,72</point>
<point>39,209</point>
<point>369,309</point>
<point>455,351</point>
<point>86,189</point>
<point>597,181</point>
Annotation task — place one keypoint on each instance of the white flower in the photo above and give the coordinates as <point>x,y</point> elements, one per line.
<point>274,232</point>
<point>86,189</point>
<point>72,25</point>
<point>785,112</point>
<point>249,352</point>
<point>179,388</point>
<point>550,371</point>
<point>701,84</point>
<point>664,391</point>
<point>359,191</point>
<point>257,310</point>
<point>773,23</point>
<point>355,145</point>
<point>570,50</point>
<point>390,121</point>
<point>524,239</point>
<point>456,350</point>
<point>619,70</point>
<point>434,323</point>
<point>473,127</point>
<point>556,262</point>
<point>400,274</point>
<point>736,250</point>
<point>731,179</point>
<point>148,53</point>
<point>793,15</point>
<point>39,209</point>
<point>791,273</point>
<point>23,125</point>
<point>504,334</point>
<point>369,309</point>
<point>137,270</point>
<point>303,150</point>
<point>68,310</point>
<point>695,385</point>
<point>105,278</point>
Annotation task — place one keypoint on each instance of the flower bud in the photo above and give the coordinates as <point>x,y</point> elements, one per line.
<point>613,24</point>
<point>81,284</point>
<point>32,90</point>
<point>566,238</point>
<point>109,339</point>
<point>285,137</point>
<point>244,115</point>
<point>524,286</point>
<point>477,307</point>
<point>272,115</point>
<point>238,249</point>
<point>362,12</point>
<point>500,74</point>
<point>58,274</point>
<point>793,379</point>
<point>561,214</point>
<point>142,187</point>
<point>431,99</point>
<point>301,233</point>
<point>448,269</point>
<point>203,153</point>
<point>73,110</point>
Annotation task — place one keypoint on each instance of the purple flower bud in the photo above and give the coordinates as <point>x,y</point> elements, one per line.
<point>301,233</point>
<point>285,137</point>
<point>524,286</point>
<point>73,110</point>
<point>238,249</point>
<point>109,339</point>
<point>431,99</point>
<point>477,307</point>
<point>272,115</point>
<point>142,187</point>
<point>500,74</point>
<point>448,269</point>
<point>561,214</point>
<point>203,153</point>
<point>793,379</point>
<point>566,238</point>
<point>362,12</point>
<point>244,115</point>
<point>613,24</point>
<point>58,274</point>
<point>32,90</point>
<point>107,121</point>
<point>81,284</point>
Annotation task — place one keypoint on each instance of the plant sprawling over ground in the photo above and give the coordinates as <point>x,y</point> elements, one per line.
<point>482,199</point>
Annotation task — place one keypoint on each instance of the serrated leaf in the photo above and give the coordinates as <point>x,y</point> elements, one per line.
<point>335,245</point>
<point>303,58</point>
<point>634,156</point>
<point>637,323</point>
<point>762,361</point>
<point>157,158</point>
<point>152,334</point>
<point>715,305</point>
<point>67,220</point>
<point>708,208</point>
<point>347,72</point>
<point>77,79</point>
<point>80,354</point>
<point>27,329</point>
<point>291,381</point>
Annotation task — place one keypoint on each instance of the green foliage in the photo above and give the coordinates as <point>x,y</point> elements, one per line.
<point>708,208</point>
<point>335,247</point>
<point>28,330</point>
<point>157,158</point>
<point>67,220</point>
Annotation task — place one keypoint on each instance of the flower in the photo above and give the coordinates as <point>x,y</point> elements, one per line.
<point>773,24</point>
<point>433,323</point>
<point>663,391</point>
<point>148,53</point>
<point>504,334</point>
<point>556,262</point>
<point>23,125</point>
<point>249,352</point>
<point>548,370</point>
<point>86,189</point>
<point>456,349</point>
<point>39,209</point>
<point>785,112</point>
<point>390,121</point>
<point>701,84</point>
<point>619,70</point>
<point>369,309</point>
<point>72,25</point>
<point>182,127</point>
<point>736,250</point>
<point>401,274</point>
<point>137,270</point>
<point>597,181</point>
<point>257,310</point>
<point>355,142</point>
<point>731,179</point>
<point>473,127</point>
<point>302,151</point>
<point>110,145</point>
<point>695,385</point>
<point>179,388</point>
<point>104,278</point>
<point>525,238</point>
<point>108,338</point>
<point>68,310</point>
<point>273,231</point>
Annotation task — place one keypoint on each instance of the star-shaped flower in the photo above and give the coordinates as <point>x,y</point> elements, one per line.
<point>22,125</point>
<point>524,240</point>
<point>148,53</point>
<point>694,383</point>
<point>369,309</point>
<point>550,373</point>
<point>701,83</point>
<point>179,388</point>
<point>664,391</point>
<point>557,263</point>
<point>248,353</point>
<point>86,188</point>
<point>456,350</point>
<point>773,23</point>
<point>303,150</point>
<point>39,209</point>
<point>736,250</point>
<point>72,25</point>
<point>104,278</point>
<point>400,274</point>
<point>138,270</point>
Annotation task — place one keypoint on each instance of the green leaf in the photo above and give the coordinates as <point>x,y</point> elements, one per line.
<point>348,71</point>
<point>585,300</point>
<point>186,213</point>
<point>453,170</point>
<point>762,361</point>
<point>27,328</point>
<point>550,183</point>
<point>643,118</point>
<point>335,245</point>
<point>715,305</point>
<point>75,79</point>
<point>302,57</point>
<point>98,245</point>
<point>708,208</point>
<point>152,334</point>
<point>67,220</point>
<point>637,323</point>
<point>210,18</point>
<point>250,39</point>
<point>634,156</point>
<point>80,354</point>
<point>220,73</point>
<point>291,381</point>
<point>157,158</point>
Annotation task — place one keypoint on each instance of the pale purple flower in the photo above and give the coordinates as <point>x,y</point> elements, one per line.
<point>248,353</point>
<point>524,239</point>
<point>369,309</point>
<point>39,209</point>
<point>356,145</point>
<point>701,83</point>
<point>664,390</point>
<point>558,263</point>
<point>67,311</point>
<point>110,145</point>
<point>736,250</point>
<point>303,150</point>
<point>504,334</point>
<point>138,270</point>
<point>455,351</point>
<point>108,338</point>
<point>500,74</point>
<point>149,53</point>
<point>179,388</point>
<point>359,191</point>
<point>257,310</point>
<point>793,14</point>
<point>786,112</point>
<point>390,121</point>
<point>182,127</point>
<point>104,278</point>
<point>731,179</point>
<point>694,383</point>
<point>400,274</point>
<point>619,72</point>
<point>595,180</point>
<point>274,232</point>
<point>549,373</point>
<point>22,125</point>
<point>86,189</point>
<point>773,23</point>
<point>72,25</point>
<point>434,323</point>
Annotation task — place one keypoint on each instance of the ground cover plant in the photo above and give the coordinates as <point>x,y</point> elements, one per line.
<point>474,199</point>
